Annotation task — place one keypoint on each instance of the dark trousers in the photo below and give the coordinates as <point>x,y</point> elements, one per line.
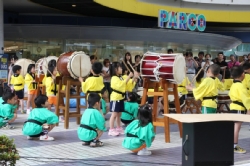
<point>108,88</point>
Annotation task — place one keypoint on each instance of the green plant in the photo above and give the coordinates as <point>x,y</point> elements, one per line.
<point>8,151</point>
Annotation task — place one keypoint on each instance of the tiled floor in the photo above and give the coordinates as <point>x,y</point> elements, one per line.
<point>67,150</point>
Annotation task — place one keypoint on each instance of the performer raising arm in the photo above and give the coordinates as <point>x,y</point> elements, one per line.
<point>208,90</point>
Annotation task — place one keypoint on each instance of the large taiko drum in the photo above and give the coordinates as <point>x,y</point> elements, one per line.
<point>166,66</point>
<point>69,64</point>
<point>223,97</point>
<point>42,64</point>
<point>24,63</point>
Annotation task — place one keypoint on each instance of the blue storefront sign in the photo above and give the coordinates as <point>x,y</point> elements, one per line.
<point>3,67</point>
<point>181,20</point>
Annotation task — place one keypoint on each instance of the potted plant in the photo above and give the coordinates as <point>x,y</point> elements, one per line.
<point>8,152</point>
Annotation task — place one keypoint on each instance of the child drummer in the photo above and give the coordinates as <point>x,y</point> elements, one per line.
<point>207,92</point>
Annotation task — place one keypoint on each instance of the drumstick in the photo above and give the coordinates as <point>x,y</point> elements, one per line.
<point>80,66</point>
<point>196,75</point>
<point>133,69</point>
<point>126,65</point>
<point>224,73</point>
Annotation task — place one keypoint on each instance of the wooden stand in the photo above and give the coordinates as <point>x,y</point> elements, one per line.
<point>68,82</point>
<point>41,87</point>
<point>192,104</point>
<point>163,122</point>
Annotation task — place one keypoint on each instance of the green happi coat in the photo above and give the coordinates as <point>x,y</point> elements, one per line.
<point>42,115</point>
<point>145,135</point>
<point>6,111</point>
<point>132,108</point>
<point>93,118</point>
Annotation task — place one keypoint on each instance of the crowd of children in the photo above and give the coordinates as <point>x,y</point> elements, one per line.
<point>139,132</point>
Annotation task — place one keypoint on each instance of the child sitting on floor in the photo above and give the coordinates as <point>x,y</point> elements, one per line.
<point>92,122</point>
<point>130,109</point>
<point>8,108</point>
<point>140,133</point>
<point>40,121</point>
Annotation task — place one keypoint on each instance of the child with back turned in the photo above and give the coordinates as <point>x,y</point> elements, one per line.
<point>8,107</point>
<point>240,102</point>
<point>17,81</point>
<point>92,122</point>
<point>140,133</point>
<point>93,84</point>
<point>207,91</point>
<point>130,112</point>
<point>40,121</point>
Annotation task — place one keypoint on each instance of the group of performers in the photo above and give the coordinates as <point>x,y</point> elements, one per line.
<point>139,132</point>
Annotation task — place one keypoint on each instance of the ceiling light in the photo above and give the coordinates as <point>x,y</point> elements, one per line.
<point>73,5</point>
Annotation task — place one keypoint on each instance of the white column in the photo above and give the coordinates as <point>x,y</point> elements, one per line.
<point>1,27</point>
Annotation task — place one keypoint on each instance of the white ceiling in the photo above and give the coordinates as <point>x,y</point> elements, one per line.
<point>198,5</point>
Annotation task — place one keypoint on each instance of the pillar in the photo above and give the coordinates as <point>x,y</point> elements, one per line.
<point>1,27</point>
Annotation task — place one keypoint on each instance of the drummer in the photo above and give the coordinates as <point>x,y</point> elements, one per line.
<point>207,92</point>
<point>182,87</point>
<point>246,81</point>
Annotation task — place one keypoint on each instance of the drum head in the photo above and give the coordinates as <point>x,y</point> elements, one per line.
<point>179,68</point>
<point>224,93</point>
<point>77,61</point>
<point>24,63</point>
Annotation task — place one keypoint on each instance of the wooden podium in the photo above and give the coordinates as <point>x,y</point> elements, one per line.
<point>208,139</point>
<point>68,82</point>
<point>168,89</point>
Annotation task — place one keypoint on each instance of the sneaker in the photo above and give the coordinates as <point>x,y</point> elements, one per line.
<point>28,112</point>
<point>113,132</point>
<point>46,138</point>
<point>119,130</point>
<point>8,127</point>
<point>23,112</point>
<point>32,138</point>
<point>144,152</point>
<point>238,149</point>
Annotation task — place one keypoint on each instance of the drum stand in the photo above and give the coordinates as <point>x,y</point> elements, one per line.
<point>164,121</point>
<point>41,87</point>
<point>68,82</point>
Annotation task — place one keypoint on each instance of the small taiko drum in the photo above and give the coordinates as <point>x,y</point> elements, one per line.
<point>166,66</point>
<point>223,97</point>
<point>74,64</point>
<point>42,64</point>
<point>24,63</point>
<point>190,94</point>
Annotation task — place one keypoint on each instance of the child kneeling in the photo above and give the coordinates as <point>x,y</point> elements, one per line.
<point>92,122</point>
<point>140,133</point>
<point>40,121</point>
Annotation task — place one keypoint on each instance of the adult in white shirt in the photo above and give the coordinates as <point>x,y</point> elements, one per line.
<point>106,75</point>
<point>191,65</point>
<point>207,63</point>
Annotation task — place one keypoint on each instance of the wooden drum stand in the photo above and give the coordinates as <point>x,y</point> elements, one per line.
<point>68,82</point>
<point>163,122</point>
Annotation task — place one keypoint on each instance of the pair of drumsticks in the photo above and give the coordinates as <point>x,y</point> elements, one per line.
<point>128,67</point>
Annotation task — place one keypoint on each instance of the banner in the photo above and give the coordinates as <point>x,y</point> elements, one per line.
<point>3,68</point>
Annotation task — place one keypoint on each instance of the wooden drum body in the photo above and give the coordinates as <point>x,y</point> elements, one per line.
<point>24,63</point>
<point>70,64</point>
<point>223,97</point>
<point>166,66</point>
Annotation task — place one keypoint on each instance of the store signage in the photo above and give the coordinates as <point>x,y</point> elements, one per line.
<point>3,67</point>
<point>182,21</point>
